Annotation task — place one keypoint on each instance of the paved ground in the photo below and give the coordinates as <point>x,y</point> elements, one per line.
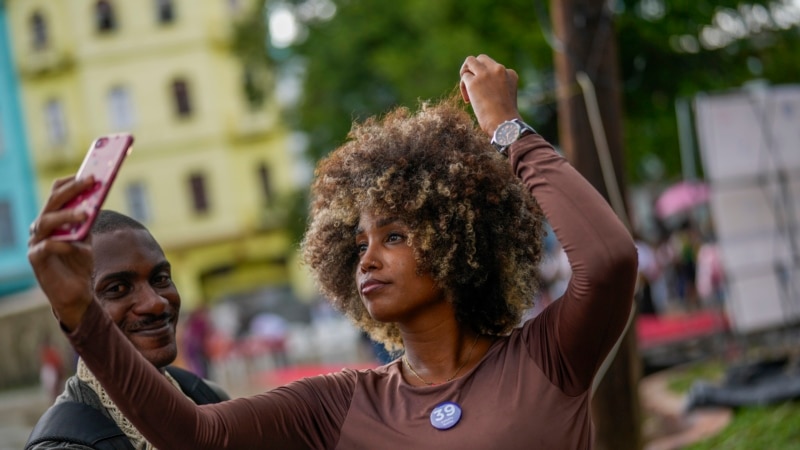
<point>19,410</point>
<point>666,425</point>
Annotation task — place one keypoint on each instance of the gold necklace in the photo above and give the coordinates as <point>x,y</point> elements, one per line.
<point>428,383</point>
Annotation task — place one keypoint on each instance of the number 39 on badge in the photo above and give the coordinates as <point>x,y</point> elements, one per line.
<point>445,415</point>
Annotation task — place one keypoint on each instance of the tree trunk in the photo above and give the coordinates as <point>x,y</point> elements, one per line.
<point>586,46</point>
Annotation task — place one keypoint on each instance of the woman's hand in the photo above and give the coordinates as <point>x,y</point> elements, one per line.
<point>491,89</point>
<point>63,269</point>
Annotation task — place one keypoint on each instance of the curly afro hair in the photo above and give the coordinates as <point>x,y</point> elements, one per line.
<point>474,226</point>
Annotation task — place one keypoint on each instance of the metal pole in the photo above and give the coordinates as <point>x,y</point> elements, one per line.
<point>686,139</point>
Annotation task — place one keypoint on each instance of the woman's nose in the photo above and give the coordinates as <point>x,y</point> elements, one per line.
<point>368,261</point>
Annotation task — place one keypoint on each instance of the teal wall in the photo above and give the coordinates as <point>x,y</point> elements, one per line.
<point>17,188</point>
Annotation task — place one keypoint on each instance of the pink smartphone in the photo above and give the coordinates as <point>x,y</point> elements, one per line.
<point>102,161</point>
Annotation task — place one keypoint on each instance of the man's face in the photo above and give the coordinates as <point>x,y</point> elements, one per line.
<point>133,282</point>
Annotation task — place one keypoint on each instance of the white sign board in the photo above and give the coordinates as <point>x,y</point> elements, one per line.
<point>750,148</point>
<point>757,302</point>
<point>749,133</point>
<point>746,209</point>
<point>744,256</point>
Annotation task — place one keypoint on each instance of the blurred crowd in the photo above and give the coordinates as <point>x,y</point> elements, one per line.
<point>238,346</point>
<point>680,271</point>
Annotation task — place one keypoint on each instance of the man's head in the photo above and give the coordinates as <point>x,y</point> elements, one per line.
<point>132,279</point>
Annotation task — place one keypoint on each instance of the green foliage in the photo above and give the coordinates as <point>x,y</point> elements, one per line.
<point>683,379</point>
<point>374,55</point>
<point>774,427</point>
<point>249,43</point>
<point>769,427</point>
<point>655,73</point>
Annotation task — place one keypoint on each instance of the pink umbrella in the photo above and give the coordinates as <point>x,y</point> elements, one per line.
<point>682,197</point>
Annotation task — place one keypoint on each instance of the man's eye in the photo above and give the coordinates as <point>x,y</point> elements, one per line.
<point>116,289</point>
<point>162,280</point>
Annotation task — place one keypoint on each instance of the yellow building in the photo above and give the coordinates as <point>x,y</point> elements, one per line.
<point>211,168</point>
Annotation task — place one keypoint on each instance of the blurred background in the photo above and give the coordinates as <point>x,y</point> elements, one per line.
<point>684,114</point>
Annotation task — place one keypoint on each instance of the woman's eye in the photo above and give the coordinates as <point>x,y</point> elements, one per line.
<point>395,237</point>
<point>361,248</point>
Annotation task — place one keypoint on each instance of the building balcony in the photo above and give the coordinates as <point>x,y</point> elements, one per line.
<point>45,62</point>
<point>272,218</point>
<point>248,125</point>
<point>52,158</point>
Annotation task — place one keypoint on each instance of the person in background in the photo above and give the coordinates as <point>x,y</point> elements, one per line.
<point>555,272</point>
<point>376,349</point>
<point>195,339</point>
<point>665,292</point>
<point>132,282</point>
<point>710,275</point>
<point>271,333</point>
<point>52,369</point>
<point>426,231</point>
<point>685,243</point>
<point>650,291</point>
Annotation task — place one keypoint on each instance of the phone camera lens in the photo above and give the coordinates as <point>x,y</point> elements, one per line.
<point>101,143</point>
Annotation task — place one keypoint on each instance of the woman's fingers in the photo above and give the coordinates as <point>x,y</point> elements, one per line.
<point>491,89</point>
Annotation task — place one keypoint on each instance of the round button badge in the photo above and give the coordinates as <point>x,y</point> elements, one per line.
<point>445,415</point>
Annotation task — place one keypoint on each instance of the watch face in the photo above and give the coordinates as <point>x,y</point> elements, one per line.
<point>507,133</point>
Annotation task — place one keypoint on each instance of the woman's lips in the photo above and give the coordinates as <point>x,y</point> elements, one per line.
<point>371,285</point>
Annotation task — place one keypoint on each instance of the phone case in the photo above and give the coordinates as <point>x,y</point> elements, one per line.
<point>103,161</point>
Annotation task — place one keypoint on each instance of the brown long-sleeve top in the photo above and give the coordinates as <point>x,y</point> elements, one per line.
<point>532,389</point>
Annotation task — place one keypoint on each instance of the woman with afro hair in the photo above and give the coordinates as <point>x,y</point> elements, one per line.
<point>428,238</point>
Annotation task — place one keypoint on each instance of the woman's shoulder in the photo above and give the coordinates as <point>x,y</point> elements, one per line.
<point>374,373</point>
<point>350,374</point>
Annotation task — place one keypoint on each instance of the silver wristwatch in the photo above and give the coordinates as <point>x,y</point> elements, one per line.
<point>509,132</point>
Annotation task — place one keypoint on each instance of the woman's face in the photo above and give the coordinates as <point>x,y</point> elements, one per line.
<point>386,273</point>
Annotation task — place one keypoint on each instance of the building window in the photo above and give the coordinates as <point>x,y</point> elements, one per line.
<point>38,31</point>
<point>197,184</point>
<point>165,11</point>
<point>234,6</point>
<point>55,122</point>
<point>138,204</point>
<point>181,97</point>
<point>6,225</point>
<point>265,180</point>
<point>120,109</point>
<point>104,16</point>
<point>253,88</point>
